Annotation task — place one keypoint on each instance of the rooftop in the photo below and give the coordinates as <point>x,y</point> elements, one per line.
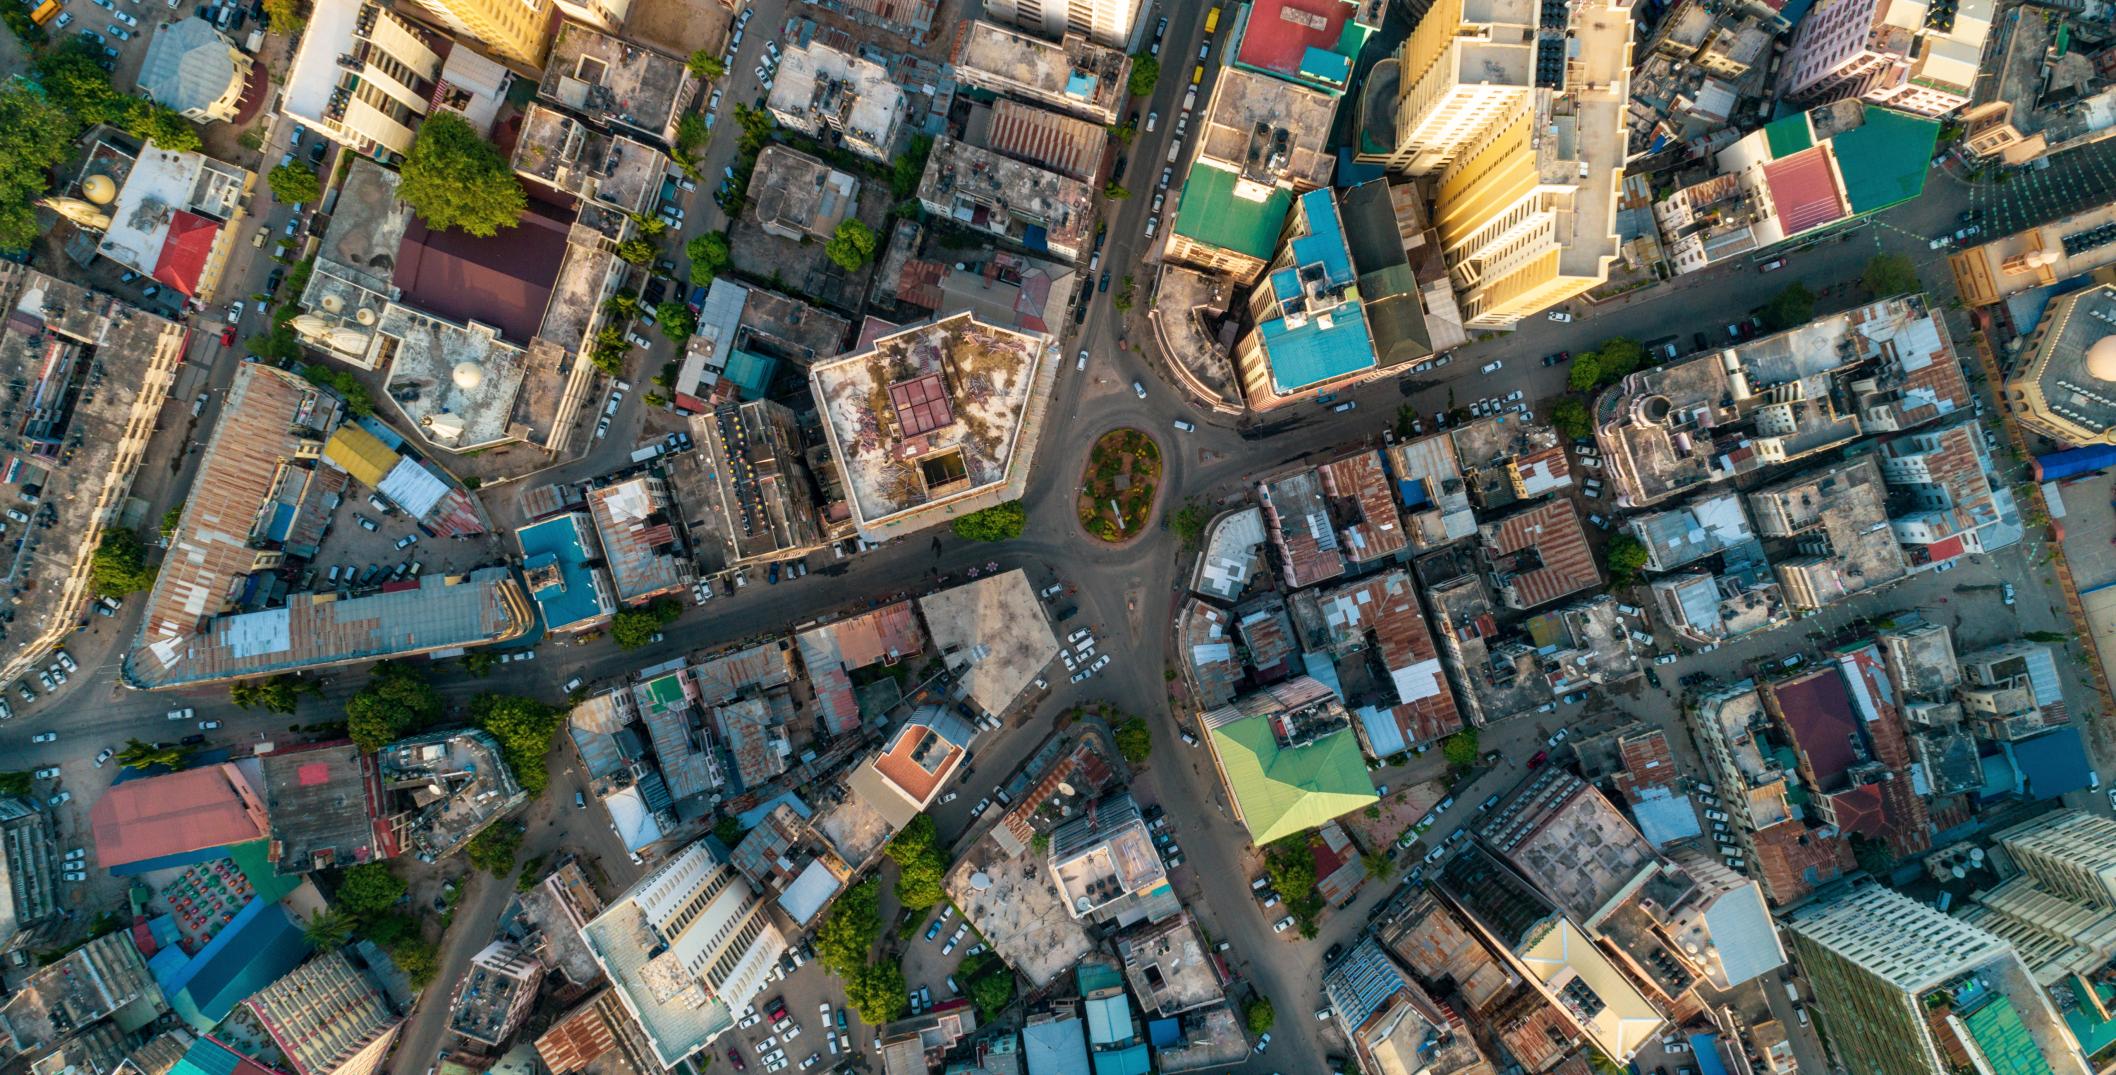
<point>798,195</point>
<point>1282,761</point>
<point>504,280</point>
<point>597,1038</point>
<point>1540,555</point>
<point>1039,209</point>
<point>1310,42</point>
<point>565,153</point>
<point>616,82</point>
<point>1703,527</point>
<point>1567,839</point>
<point>996,636</point>
<point>442,788</point>
<point>1072,147</point>
<point>168,221</point>
<point>1230,558</point>
<point>324,802</point>
<point>1169,967</point>
<point>1105,858</point>
<point>819,88</point>
<point>1316,329</point>
<point>570,594</point>
<point>1269,133</point>
<point>455,383</point>
<point>1430,491</point>
<point>1207,648</point>
<point>2067,378</point>
<point>142,820</point>
<point>921,756</point>
<point>1211,211</point>
<point>1075,74</point>
<point>1010,901</point>
<point>640,542</point>
<point>936,413</point>
<point>188,66</point>
<point>1376,625</point>
<point>1298,522</point>
<point>1842,544</point>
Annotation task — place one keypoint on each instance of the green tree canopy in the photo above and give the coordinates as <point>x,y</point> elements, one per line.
<point>710,256</point>
<point>1460,748</point>
<point>454,179</point>
<point>1000,522</point>
<point>1188,522</point>
<point>1145,72</point>
<point>1627,557</point>
<point>1571,417</point>
<point>493,849</point>
<point>1114,191</point>
<point>1259,1015</point>
<point>876,991</point>
<point>34,136</point>
<point>634,627</point>
<point>293,183</point>
<point>524,727</point>
<point>1585,374</point>
<point>395,702</point>
<point>853,245</point>
<point>16,782</point>
<point>278,694</point>
<point>328,930</point>
<point>286,16</point>
<point>1135,741</point>
<point>138,754</point>
<point>705,66</point>
<point>76,83</point>
<point>119,564</point>
<point>369,889</point>
<point>992,991</point>
<point>1291,867</point>
<point>1618,357</point>
<point>922,867</point>
<point>675,320</point>
<point>164,126</point>
<point>1889,274</point>
<point>907,169</point>
<point>635,251</point>
<point>1789,308</point>
<point>848,932</point>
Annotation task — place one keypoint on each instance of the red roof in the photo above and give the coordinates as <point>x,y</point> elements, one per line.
<point>1859,810</point>
<point>1944,549</point>
<point>1818,711</point>
<point>184,252</point>
<point>1804,189</point>
<point>1280,32</point>
<point>503,281</point>
<point>170,815</point>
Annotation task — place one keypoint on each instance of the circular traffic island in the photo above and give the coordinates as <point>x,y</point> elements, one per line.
<point>1118,487</point>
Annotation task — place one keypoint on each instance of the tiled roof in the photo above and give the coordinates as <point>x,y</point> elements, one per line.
<point>185,251</point>
<point>1549,551</point>
<point>1804,190</point>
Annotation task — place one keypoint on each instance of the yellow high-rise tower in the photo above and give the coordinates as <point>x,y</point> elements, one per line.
<point>515,31</point>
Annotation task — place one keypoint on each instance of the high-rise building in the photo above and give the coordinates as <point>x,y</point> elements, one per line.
<point>29,899</point>
<point>496,994</point>
<point>1105,22</point>
<point>685,948</point>
<point>1465,66</point>
<point>327,1017</point>
<point>1907,990</point>
<point>516,31</point>
<point>363,77</point>
<point>1910,55</point>
<point>2071,852</point>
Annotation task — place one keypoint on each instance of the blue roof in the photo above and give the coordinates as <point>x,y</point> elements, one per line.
<point>1411,492</point>
<point>209,1057</point>
<point>1326,65</point>
<point>164,862</point>
<point>1705,1047</point>
<point>1130,1060</point>
<point>1328,343</point>
<point>1057,1047</point>
<point>750,372</point>
<point>1164,1033</point>
<point>258,947</point>
<point>572,600</point>
<point>1325,242</point>
<point>2051,764</point>
<point>1384,735</point>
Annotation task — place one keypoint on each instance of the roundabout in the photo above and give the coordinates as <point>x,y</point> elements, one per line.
<point>1118,485</point>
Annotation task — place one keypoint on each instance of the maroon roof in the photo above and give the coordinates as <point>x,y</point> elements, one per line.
<point>1818,712</point>
<point>1280,32</point>
<point>921,404</point>
<point>1859,810</point>
<point>504,281</point>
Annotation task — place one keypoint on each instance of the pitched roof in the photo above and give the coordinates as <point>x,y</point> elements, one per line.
<point>1804,191</point>
<point>171,814</point>
<point>185,250</point>
<point>1282,791</point>
<point>1210,213</point>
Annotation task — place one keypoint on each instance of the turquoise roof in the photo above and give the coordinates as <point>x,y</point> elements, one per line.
<point>1210,213</point>
<point>1130,1060</point>
<point>1788,135</point>
<point>1884,160</point>
<point>572,600</point>
<point>1325,343</point>
<point>750,372</point>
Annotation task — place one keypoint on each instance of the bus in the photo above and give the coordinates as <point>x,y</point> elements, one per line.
<point>1212,21</point>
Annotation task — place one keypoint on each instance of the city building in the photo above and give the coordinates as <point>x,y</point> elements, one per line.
<point>194,69</point>
<point>1218,230</point>
<point>1068,145</point>
<point>819,89</point>
<point>1040,210</point>
<point>2068,852</point>
<point>324,803</point>
<point>78,429</point>
<point>1882,367</point>
<point>1283,761</point>
<point>1403,282</point>
<point>1260,142</point>
<point>1800,176</point>
<point>363,76</point>
<point>744,335</point>
<point>496,994</point>
<point>1107,868</point>
<point>1298,523</point>
<point>1734,734</point>
<point>2012,691</point>
<point>799,197</point>
<point>178,818</point>
<point>29,897</point>
<point>328,1017</point>
<point>104,978</point>
<point>641,545</point>
<point>615,81</point>
<point>572,153</point>
<point>1075,75</point>
<point>572,591</point>
<point>1682,535</point>
<point>1109,23</point>
<point>1909,55</point>
<point>1566,839</point>
<point>1905,988</point>
<point>1170,967</point>
<point>1832,526</point>
<point>933,421</point>
<point>1957,503</point>
<point>686,947</point>
<point>517,31</point>
<point>596,1038</point>
<point>2065,388</point>
<point>921,757</point>
<point>754,498</point>
<point>1392,1022</point>
<point>1386,664</point>
<point>1539,555</point>
<point>1311,43</point>
<point>1311,330</point>
<point>175,217</point>
<point>1464,67</point>
<point>442,788</point>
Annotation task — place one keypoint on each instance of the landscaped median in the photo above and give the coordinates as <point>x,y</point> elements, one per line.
<point>1118,487</point>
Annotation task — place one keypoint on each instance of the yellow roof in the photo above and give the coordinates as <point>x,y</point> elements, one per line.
<point>361,453</point>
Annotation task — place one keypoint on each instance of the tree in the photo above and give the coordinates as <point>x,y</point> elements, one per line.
<point>395,702</point>
<point>705,66</point>
<point>1135,741</point>
<point>1258,1014</point>
<point>1291,867</point>
<point>1145,72</point>
<point>286,16</point>
<point>292,183</point>
<point>1585,374</point>
<point>1618,357</point>
<point>14,783</point>
<point>1571,417</point>
<point>1188,522</point>
<point>454,179</point>
<point>848,933</point>
<point>1627,557</point>
<point>710,256</point>
<point>907,169</point>
<point>524,727</point>
<point>729,829</point>
<point>1889,274</point>
<point>164,126</point>
<point>992,992</point>
<point>368,890</point>
<point>1791,307</point>
<point>328,930</point>
<point>921,865</point>
<point>876,991</point>
<point>279,694</point>
<point>119,565</point>
<point>635,251</point>
<point>139,754</point>
<point>350,388</point>
<point>650,226</point>
<point>493,849</point>
<point>1114,192</point>
<point>622,306</point>
<point>633,627</point>
<point>35,135</point>
<point>172,518</point>
<point>675,320</point>
<point>480,663</point>
<point>76,83</point>
<point>1000,522</point>
<point>852,246</point>
<point>1460,749</point>
<point>417,958</point>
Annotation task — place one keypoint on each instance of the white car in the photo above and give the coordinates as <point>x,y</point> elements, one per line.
<point>1561,317</point>
<point>1139,389</point>
<point>1100,663</point>
<point>1282,925</point>
<point>1081,362</point>
<point>1494,366</point>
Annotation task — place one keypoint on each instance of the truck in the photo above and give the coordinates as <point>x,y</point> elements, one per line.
<point>45,12</point>
<point>649,452</point>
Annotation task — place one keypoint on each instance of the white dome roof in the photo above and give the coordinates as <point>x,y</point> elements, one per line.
<point>100,189</point>
<point>2101,359</point>
<point>468,376</point>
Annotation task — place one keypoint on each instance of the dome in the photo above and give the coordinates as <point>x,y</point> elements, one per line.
<point>99,189</point>
<point>2043,258</point>
<point>468,376</point>
<point>332,304</point>
<point>2101,359</point>
<point>364,315</point>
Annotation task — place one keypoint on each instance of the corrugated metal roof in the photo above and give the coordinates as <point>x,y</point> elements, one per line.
<point>360,454</point>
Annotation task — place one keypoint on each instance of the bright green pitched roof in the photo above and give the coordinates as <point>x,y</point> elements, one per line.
<point>1282,792</point>
<point>1884,159</point>
<point>1210,213</point>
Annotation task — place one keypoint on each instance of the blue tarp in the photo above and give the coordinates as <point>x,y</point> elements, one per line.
<point>2072,462</point>
<point>2051,764</point>
<point>1411,492</point>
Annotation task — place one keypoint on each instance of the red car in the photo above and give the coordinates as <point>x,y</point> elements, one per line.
<point>1541,757</point>
<point>227,336</point>
<point>735,1057</point>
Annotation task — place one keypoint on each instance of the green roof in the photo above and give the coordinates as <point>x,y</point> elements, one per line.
<point>2004,1040</point>
<point>1884,159</point>
<point>1210,213</point>
<point>1283,791</point>
<point>1788,135</point>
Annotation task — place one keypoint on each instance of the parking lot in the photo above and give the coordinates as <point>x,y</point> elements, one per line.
<point>368,542</point>
<point>799,1039</point>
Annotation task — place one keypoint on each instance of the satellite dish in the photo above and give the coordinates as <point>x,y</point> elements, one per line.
<point>1976,854</point>
<point>1065,788</point>
<point>1959,873</point>
<point>980,881</point>
<point>1082,903</point>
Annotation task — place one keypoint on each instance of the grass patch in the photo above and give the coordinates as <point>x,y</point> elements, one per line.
<point>1117,489</point>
